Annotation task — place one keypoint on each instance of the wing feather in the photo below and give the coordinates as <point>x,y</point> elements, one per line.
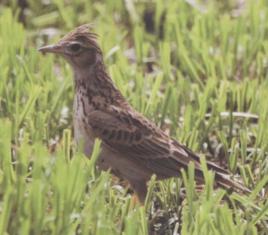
<point>132,134</point>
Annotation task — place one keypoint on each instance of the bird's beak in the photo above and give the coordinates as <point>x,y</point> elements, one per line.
<point>50,49</point>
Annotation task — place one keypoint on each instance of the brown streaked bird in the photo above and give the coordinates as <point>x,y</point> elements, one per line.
<point>133,147</point>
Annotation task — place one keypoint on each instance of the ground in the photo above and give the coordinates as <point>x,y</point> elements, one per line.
<point>197,68</point>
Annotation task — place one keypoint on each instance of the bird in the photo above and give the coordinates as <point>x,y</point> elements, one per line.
<point>132,147</point>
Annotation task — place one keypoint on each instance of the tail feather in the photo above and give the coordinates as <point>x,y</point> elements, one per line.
<point>225,182</point>
<point>222,177</point>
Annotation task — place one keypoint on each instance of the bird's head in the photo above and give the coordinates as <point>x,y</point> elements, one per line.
<point>79,47</point>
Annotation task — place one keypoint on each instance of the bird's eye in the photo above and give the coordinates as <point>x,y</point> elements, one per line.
<point>74,47</point>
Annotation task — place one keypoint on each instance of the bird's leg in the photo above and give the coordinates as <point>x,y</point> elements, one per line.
<point>135,200</point>
<point>140,189</point>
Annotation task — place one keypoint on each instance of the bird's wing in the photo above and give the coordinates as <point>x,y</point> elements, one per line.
<point>136,137</point>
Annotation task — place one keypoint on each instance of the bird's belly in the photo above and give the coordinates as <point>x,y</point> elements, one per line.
<point>119,165</point>
<point>122,166</point>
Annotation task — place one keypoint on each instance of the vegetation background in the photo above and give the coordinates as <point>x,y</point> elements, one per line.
<point>197,68</point>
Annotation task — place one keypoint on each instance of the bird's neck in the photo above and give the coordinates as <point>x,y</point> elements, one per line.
<point>96,86</point>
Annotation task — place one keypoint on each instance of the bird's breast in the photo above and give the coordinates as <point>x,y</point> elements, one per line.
<point>82,131</point>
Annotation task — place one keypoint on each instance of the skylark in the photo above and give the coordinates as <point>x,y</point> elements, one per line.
<point>133,147</point>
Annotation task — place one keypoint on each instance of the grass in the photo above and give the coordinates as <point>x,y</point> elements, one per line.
<point>199,71</point>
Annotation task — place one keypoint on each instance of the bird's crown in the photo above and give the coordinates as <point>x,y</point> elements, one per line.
<point>84,35</point>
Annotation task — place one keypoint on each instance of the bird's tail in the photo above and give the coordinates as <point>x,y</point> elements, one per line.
<point>222,176</point>
<point>224,181</point>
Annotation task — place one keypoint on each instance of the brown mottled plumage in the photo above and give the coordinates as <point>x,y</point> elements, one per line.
<point>133,147</point>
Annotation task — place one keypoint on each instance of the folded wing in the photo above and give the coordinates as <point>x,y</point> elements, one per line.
<point>136,137</point>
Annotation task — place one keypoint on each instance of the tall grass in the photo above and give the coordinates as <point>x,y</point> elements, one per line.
<point>200,73</point>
